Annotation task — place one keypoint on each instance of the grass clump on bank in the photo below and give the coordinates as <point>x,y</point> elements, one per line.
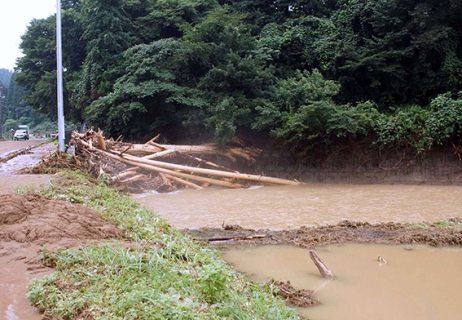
<point>157,273</point>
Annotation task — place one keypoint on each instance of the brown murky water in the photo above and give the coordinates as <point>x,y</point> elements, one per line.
<point>10,181</point>
<point>419,284</point>
<point>306,205</point>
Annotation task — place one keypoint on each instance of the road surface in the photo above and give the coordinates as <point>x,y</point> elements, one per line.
<point>9,145</point>
<point>8,179</point>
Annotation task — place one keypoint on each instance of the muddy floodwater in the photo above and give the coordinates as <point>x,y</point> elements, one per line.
<point>416,283</point>
<point>288,207</point>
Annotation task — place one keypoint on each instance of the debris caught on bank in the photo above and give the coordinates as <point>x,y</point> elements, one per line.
<point>256,236</point>
<point>295,298</point>
<point>164,168</point>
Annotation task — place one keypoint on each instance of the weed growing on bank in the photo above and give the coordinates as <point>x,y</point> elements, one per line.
<point>157,273</point>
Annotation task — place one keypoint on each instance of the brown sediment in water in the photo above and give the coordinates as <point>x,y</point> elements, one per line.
<point>447,233</point>
<point>31,225</point>
<point>417,283</point>
<point>294,298</point>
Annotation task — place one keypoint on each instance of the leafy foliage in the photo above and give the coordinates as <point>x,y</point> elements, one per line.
<point>307,72</point>
<point>5,76</point>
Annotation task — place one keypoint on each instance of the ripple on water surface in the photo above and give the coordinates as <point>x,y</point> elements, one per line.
<point>283,207</point>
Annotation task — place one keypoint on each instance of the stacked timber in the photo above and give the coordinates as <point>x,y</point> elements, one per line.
<point>142,160</point>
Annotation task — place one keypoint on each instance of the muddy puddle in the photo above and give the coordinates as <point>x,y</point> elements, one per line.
<point>28,160</point>
<point>9,181</point>
<point>416,283</point>
<point>289,207</point>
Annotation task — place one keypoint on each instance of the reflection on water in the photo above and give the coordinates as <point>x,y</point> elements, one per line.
<point>419,284</point>
<point>283,207</point>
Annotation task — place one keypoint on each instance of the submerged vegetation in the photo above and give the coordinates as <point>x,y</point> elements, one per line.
<point>312,73</point>
<point>156,273</point>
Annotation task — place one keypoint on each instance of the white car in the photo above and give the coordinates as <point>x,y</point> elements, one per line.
<point>21,134</point>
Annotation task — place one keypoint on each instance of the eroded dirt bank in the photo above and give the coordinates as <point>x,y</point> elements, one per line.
<point>29,224</point>
<point>448,232</point>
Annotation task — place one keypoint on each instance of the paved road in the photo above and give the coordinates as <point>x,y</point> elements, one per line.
<point>8,146</point>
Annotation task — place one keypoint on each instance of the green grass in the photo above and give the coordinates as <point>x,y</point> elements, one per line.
<point>420,225</point>
<point>448,224</point>
<point>160,275</point>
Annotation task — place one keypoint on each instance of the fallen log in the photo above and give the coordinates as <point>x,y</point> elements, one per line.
<point>199,160</point>
<point>211,172</point>
<point>161,154</point>
<point>100,138</point>
<point>173,173</point>
<point>257,236</point>
<point>132,179</point>
<point>323,269</point>
<point>153,139</point>
<point>152,147</point>
<point>125,173</point>
<point>184,182</point>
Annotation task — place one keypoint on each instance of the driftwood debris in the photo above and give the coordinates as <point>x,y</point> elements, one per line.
<point>323,269</point>
<point>173,165</point>
<point>256,236</point>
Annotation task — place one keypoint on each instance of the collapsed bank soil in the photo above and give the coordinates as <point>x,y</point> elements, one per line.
<point>30,226</point>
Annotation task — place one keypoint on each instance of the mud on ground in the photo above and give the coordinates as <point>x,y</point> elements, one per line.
<point>30,225</point>
<point>446,233</point>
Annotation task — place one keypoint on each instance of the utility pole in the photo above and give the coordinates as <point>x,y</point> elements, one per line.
<point>1,102</point>
<point>59,64</point>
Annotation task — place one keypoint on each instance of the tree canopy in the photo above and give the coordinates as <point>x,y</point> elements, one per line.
<point>307,72</point>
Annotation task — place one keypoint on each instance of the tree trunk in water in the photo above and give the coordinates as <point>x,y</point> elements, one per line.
<point>323,269</point>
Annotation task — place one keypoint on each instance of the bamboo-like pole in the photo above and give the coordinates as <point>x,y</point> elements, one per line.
<point>159,154</point>
<point>211,164</point>
<point>124,174</point>
<point>211,172</point>
<point>135,178</point>
<point>173,173</point>
<point>182,181</point>
<point>247,154</point>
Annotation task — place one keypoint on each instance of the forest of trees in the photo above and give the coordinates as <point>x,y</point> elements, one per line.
<point>309,72</point>
<point>14,111</point>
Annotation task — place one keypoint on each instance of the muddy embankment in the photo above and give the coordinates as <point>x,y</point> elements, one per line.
<point>31,225</point>
<point>354,162</point>
<point>446,233</point>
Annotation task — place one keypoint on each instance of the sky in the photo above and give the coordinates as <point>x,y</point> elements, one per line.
<point>15,16</point>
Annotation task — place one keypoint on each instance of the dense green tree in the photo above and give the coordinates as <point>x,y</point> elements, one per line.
<point>310,72</point>
<point>393,52</point>
<point>146,98</point>
<point>5,76</point>
<point>36,70</point>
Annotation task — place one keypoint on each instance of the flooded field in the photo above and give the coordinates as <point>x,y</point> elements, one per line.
<point>306,205</point>
<point>416,283</point>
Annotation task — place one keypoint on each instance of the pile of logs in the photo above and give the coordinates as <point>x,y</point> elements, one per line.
<point>142,160</point>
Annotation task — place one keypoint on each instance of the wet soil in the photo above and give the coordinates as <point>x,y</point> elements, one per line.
<point>448,233</point>
<point>31,224</point>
